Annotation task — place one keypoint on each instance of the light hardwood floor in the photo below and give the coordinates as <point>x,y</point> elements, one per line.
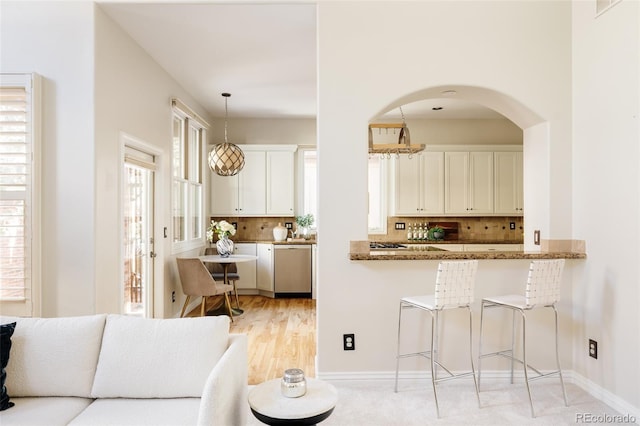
<point>281,334</point>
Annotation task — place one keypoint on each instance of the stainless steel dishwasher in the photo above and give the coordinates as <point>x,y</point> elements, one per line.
<point>292,270</point>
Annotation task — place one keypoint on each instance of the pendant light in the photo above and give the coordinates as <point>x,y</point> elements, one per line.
<point>226,159</point>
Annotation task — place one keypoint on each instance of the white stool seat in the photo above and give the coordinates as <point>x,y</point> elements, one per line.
<point>514,300</point>
<point>455,282</point>
<point>425,302</point>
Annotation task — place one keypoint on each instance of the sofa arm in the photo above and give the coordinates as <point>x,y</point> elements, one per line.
<point>224,397</point>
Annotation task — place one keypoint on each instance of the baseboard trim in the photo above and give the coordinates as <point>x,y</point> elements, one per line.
<point>570,376</point>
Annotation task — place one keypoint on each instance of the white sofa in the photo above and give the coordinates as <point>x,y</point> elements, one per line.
<point>121,370</point>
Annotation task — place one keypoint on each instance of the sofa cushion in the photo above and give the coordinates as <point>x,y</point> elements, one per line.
<point>54,411</point>
<point>140,412</point>
<point>158,358</point>
<point>54,356</point>
<point>6,331</point>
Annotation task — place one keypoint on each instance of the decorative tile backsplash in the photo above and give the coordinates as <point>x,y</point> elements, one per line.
<point>468,228</point>
<point>256,228</point>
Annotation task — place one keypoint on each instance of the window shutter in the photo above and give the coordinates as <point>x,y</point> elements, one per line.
<point>16,207</point>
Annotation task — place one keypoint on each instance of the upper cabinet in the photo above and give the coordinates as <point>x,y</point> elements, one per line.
<point>485,181</point>
<point>468,183</point>
<point>264,187</point>
<point>508,187</point>
<point>419,189</point>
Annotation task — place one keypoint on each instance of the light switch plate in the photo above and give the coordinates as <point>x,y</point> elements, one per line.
<point>400,225</point>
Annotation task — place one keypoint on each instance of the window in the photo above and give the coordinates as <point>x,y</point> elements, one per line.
<point>377,217</point>
<point>376,188</point>
<point>187,205</point>
<point>18,195</point>
<point>309,182</point>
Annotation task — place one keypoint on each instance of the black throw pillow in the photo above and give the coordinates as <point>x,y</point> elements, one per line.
<point>6,331</point>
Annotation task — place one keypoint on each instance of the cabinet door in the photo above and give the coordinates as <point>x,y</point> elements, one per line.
<point>280,183</point>
<point>433,183</point>
<point>456,169</point>
<point>408,186</point>
<point>480,182</point>
<point>508,183</point>
<point>246,270</point>
<point>252,184</point>
<point>224,195</point>
<point>264,274</point>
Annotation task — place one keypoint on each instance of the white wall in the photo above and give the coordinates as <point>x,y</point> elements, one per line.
<point>364,71</point>
<point>462,132</point>
<point>264,131</point>
<point>55,40</point>
<point>606,102</point>
<point>132,96</point>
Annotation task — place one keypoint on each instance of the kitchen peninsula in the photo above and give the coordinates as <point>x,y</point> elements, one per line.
<point>557,249</point>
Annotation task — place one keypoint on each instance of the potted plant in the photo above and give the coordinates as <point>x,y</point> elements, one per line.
<point>304,223</point>
<point>435,233</point>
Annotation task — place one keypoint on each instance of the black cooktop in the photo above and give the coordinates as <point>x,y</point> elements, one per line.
<point>376,245</point>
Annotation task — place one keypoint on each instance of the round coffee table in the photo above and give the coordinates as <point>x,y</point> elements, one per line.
<point>271,407</point>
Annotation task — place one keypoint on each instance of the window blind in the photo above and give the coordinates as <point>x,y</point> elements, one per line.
<point>16,157</point>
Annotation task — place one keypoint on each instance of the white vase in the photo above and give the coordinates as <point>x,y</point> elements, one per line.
<point>224,246</point>
<point>279,233</point>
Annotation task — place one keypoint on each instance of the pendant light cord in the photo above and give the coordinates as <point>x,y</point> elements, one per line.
<point>226,113</point>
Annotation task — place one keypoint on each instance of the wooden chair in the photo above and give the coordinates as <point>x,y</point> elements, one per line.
<point>197,281</point>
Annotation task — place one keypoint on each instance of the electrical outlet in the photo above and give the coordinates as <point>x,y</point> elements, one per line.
<point>593,349</point>
<point>288,225</point>
<point>349,342</point>
<point>173,297</point>
<point>512,225</point>
<point>235,224</point>
<point>400,225</point>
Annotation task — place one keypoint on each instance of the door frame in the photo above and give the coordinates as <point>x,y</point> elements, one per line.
<point>156,308</point>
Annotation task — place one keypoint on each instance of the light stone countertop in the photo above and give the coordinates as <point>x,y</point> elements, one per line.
<point>359,250</point>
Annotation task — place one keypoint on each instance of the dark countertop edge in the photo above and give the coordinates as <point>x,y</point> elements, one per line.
<point>444,255</point>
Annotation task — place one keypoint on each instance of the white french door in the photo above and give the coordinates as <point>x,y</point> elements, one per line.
<point>138,241</point>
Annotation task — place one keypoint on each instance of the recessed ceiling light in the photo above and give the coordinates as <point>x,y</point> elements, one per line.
<point>436,108</point>
<point>448,92</point>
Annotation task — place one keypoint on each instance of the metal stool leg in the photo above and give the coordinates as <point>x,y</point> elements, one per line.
<point>564,392</point>
<point>473,371</point>
<point>434,328</point>
<point>480,345</point>
<point>524,359</point>
<point>398,350</point>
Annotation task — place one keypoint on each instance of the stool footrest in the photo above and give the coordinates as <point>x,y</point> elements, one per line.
<point>505,354</point>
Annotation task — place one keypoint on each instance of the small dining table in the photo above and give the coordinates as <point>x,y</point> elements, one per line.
<point>225,262</point>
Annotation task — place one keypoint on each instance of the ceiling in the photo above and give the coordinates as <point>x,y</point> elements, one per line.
<point>263,54</point>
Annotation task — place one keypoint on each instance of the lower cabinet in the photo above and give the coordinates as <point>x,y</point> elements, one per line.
<point>493,247</point>
<point>264,272</point>
<point>246,270</point>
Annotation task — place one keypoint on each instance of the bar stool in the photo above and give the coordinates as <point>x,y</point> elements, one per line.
<point>542,291</point>
<point>454,287</point>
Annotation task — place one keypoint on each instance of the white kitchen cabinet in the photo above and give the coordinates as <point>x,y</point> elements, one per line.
<point>280,183</point>
<point>264,273</point>
<point>419,184</point>
<point>493,247</point>
<point>246,270</point>
<point>449,247</point>
<point>468,183</point>
<point>264,187</point>
<point>509,187</point>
